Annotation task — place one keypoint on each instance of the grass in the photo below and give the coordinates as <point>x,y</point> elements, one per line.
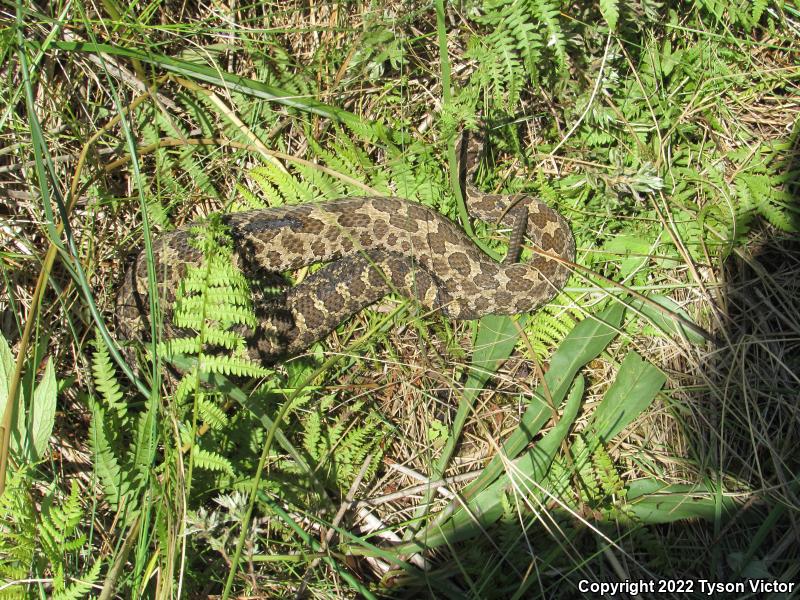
<point>641,426</point>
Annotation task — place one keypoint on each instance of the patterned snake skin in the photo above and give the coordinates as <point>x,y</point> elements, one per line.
<point>374,245</point>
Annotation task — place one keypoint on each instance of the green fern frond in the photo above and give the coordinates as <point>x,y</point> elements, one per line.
<point>590,472</point>
<point>281,187</point>
<point>211,461</point>
<point>511,54</point>
<point>186,386</point>
<point>341,447</point>
<point>370,131</point>
<point>559,481</point>
<point>761,189</point>
<point>321,184</point>
<point>81,584</point>
<point>212,303</point>
<point>106,464</point>
<point>551,323</point>
<point>58,524</point>
<point>212,298</point>
<point>778,214</point>
<point>18,532</point>
<point>611,484</point>
<point>187,160</point>
<point>142,448</point>
<point>175,346</point>
<point>345,157</point>
<point>231,365</point>
<point>211,414</point>
<point>312,434</point>
<point>757,9</point>
<point>105,379</point>
<point>588,488</point>
<point>548,12</point>
<point>270,191</point>
<point>246,200</point>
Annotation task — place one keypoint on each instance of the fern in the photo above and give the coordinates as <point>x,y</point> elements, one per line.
<point>584,476</point>
<point>108,429</point>
<point>213,461</point>
<point>43,540</point>
<point>57,531</point>
<point>106,463</point>
<point>173,167</point>
<point>213,298</point>
<point>757,9</point>
<point>611,485</point>
<point>212,306</point>
<point>281,187</point>
<point>503,70</point>
<point>341,446</point>
<point>81,585</point>
<point>312,433</point>
<point>589,477</point>
<point>548,12</point>
<point>344,156</point>
<point>551,323</point>
<point>232,365</point>
<point>18,532</point>
<point>211,414</point>
<point>105,379</point>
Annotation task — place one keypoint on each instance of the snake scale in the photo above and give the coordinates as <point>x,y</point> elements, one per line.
<point>373,246</point>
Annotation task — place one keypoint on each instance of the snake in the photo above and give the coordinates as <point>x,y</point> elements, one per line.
<point>371,246</point>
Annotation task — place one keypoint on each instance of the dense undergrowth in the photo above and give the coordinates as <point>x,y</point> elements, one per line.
<point>640,426</point>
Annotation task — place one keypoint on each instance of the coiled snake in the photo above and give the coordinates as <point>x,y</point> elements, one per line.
<point>374,245</point>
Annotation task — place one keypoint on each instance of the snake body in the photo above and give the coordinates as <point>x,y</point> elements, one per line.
<point>374,245</point>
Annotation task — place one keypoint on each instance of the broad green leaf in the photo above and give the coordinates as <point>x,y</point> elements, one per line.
<point>18,439</point>
<point>630,251</point>
<point>523,474</point>
<point>6,371</point>
<point>634,389</point>
<point>664,320</point>
<point>497,335</point>
<point>585,342</point>
<point>651,501</point>
<point>43,411</point>
<point>750,568</point>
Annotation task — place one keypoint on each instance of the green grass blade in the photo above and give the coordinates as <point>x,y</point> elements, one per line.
<point>651,501</point>
<point>216,76</point>
<point>664,320</point>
